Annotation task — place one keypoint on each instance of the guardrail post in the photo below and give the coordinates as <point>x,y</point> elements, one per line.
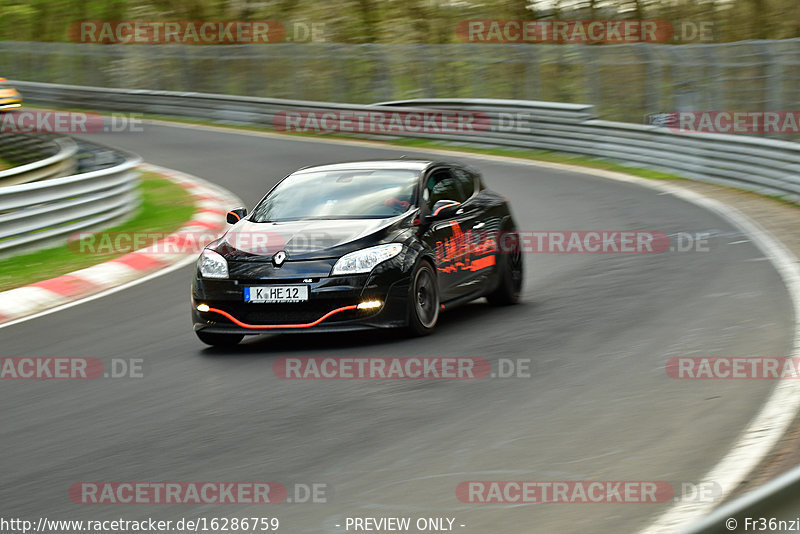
<point>714,91</point>
<point>652,78</point>
<point>591,81</point>
<point>533,77</point>
<point>773,80</point>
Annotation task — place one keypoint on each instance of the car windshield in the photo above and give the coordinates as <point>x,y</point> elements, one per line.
<point>340,194</point>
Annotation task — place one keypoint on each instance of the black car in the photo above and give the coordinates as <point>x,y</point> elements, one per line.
<point>360,245</point>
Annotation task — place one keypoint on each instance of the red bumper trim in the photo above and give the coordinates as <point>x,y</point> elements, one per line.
<point>279,326</point>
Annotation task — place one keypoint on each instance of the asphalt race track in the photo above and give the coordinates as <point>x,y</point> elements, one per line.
<point>598,330</point>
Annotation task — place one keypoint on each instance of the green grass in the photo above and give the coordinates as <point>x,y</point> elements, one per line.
<point>165,207</point>
<point>4,165</point>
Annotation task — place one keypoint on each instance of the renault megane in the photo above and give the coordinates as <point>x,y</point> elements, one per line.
<point>358,245</point>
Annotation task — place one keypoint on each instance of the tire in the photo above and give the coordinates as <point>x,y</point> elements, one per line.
<point>219,340</point>
<point>423,300</point>
<point>509,285</point>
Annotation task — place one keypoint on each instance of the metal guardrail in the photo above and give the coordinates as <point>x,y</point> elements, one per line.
<point>19,148</point>
<point>36,157</point>
<point>44,213</point>
<point>762,165</point>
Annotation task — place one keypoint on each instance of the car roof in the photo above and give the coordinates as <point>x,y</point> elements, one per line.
<point>409,164</point>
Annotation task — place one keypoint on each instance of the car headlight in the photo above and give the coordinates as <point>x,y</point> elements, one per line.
<point>212,265</point>
<point>363,261</point>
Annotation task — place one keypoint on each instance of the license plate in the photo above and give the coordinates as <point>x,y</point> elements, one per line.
<point>276,294</point>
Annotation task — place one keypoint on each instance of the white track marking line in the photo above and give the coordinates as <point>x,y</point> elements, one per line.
<point>187,261</point>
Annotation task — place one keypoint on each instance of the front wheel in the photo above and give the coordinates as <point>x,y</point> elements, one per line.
<point>509,286</point>
<point>219,340</point>
<point>423,300</point>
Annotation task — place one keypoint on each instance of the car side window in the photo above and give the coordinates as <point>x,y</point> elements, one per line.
<point>442,185</point>
<point>466,180</point>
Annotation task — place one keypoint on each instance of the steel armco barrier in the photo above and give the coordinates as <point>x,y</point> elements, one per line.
<point>36,157</point>
<point>757,164</point>
<point>20,149</point>
<point>44,213</point>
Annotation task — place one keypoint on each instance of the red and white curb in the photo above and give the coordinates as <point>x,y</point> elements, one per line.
<point>211,204</point>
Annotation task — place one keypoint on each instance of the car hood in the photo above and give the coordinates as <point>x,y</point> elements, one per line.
<point>304,239</point>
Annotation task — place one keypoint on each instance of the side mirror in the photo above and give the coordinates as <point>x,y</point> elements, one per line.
<point>443,209</point>
<point>236,215</point>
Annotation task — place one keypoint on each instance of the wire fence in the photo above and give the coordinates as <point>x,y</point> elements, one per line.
<point>624,82</point>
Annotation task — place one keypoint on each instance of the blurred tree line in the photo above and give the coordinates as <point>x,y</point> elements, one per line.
<point>401,21</point>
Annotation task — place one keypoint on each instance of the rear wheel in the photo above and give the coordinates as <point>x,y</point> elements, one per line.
<point>509,264</point>
<point>219,340</point>
<point>423,300</point>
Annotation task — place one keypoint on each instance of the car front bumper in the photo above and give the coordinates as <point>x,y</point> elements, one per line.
<point>332,303</point>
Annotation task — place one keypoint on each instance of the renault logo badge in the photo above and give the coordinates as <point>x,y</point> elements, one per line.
<point>279,258</point>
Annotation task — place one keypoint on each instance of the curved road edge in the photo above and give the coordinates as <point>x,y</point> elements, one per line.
<point>776,416</point>
<point>48,296</point>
